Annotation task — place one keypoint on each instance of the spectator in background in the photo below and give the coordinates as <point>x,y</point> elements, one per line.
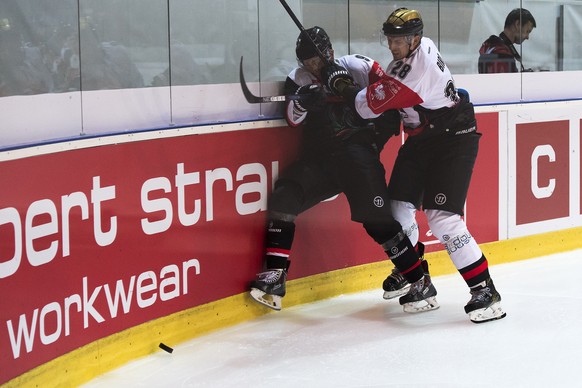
<point>498,53</point>
<point>22,69</point>
<point>184,69</point>
<point>99,65</point>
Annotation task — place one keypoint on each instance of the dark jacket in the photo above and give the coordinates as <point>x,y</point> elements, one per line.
<point>497,55</point>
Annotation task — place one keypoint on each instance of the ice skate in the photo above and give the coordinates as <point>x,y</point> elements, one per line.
<point>396,285</point>
<point>420,296</point>
<point>485,303</point>
<point>269,288</point>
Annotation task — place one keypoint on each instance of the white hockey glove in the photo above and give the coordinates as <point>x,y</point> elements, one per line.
<point>337,78</point>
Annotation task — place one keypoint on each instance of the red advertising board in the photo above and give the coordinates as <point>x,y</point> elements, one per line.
<point>97,240</point>
<point>543,171</point>
<point>482,208</point>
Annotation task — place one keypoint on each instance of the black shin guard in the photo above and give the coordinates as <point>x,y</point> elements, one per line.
<point>476,273</point>
<point>400,250</point>
<point>279,238</point>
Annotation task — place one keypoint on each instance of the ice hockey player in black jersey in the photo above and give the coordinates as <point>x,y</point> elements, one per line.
<point>434,166</point>
<point>340,153</point>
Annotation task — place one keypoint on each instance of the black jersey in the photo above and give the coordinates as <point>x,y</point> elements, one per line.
<point>336,121</point>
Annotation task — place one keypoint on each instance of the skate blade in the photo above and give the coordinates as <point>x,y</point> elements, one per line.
<point>271,301</point>
<point>394,294</point>
<point>421,306</point>
<point>490,313</point>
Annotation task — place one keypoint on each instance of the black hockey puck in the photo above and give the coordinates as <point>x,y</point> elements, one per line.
<point>166,347</point>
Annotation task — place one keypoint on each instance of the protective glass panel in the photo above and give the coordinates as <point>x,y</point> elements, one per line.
<point>569,43</point>
<point>36,102</point>
<point>123,44</point>
<point>89,67</point>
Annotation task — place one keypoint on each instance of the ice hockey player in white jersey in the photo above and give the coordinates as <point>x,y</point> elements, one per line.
<point>434,166</point>
<point>339,153</point>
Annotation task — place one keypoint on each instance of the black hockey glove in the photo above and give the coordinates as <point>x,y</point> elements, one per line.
<point>312,98</point>
<point>336,78</point>
<point>386,125</point>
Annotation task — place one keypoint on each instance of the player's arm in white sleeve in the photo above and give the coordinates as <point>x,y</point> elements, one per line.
<point>295,114</point>
<point>364,70</point>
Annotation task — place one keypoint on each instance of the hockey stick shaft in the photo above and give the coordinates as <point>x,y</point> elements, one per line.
<point>292,14</point>
<point>253,99</point>
<point>303,31</point>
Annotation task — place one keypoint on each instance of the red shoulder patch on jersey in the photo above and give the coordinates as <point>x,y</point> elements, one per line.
<point>389,93</point>
<point>376,73</point>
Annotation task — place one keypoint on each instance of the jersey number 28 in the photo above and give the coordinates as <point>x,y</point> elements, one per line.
<point>400,69</point>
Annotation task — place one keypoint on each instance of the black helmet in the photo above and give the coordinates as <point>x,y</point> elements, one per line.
<point>304,48</point>
<point>403,22</point>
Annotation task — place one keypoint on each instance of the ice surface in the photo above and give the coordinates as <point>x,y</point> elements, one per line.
<point>361,340</point>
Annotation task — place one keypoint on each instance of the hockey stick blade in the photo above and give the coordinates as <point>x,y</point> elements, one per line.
<point>252,99</point>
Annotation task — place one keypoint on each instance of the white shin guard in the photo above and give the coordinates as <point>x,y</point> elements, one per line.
<point>452,232</point>
<point>405,214</point>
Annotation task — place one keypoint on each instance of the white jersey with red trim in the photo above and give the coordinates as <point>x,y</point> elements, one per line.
<point>364,70</point>
<point>421,79</point>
